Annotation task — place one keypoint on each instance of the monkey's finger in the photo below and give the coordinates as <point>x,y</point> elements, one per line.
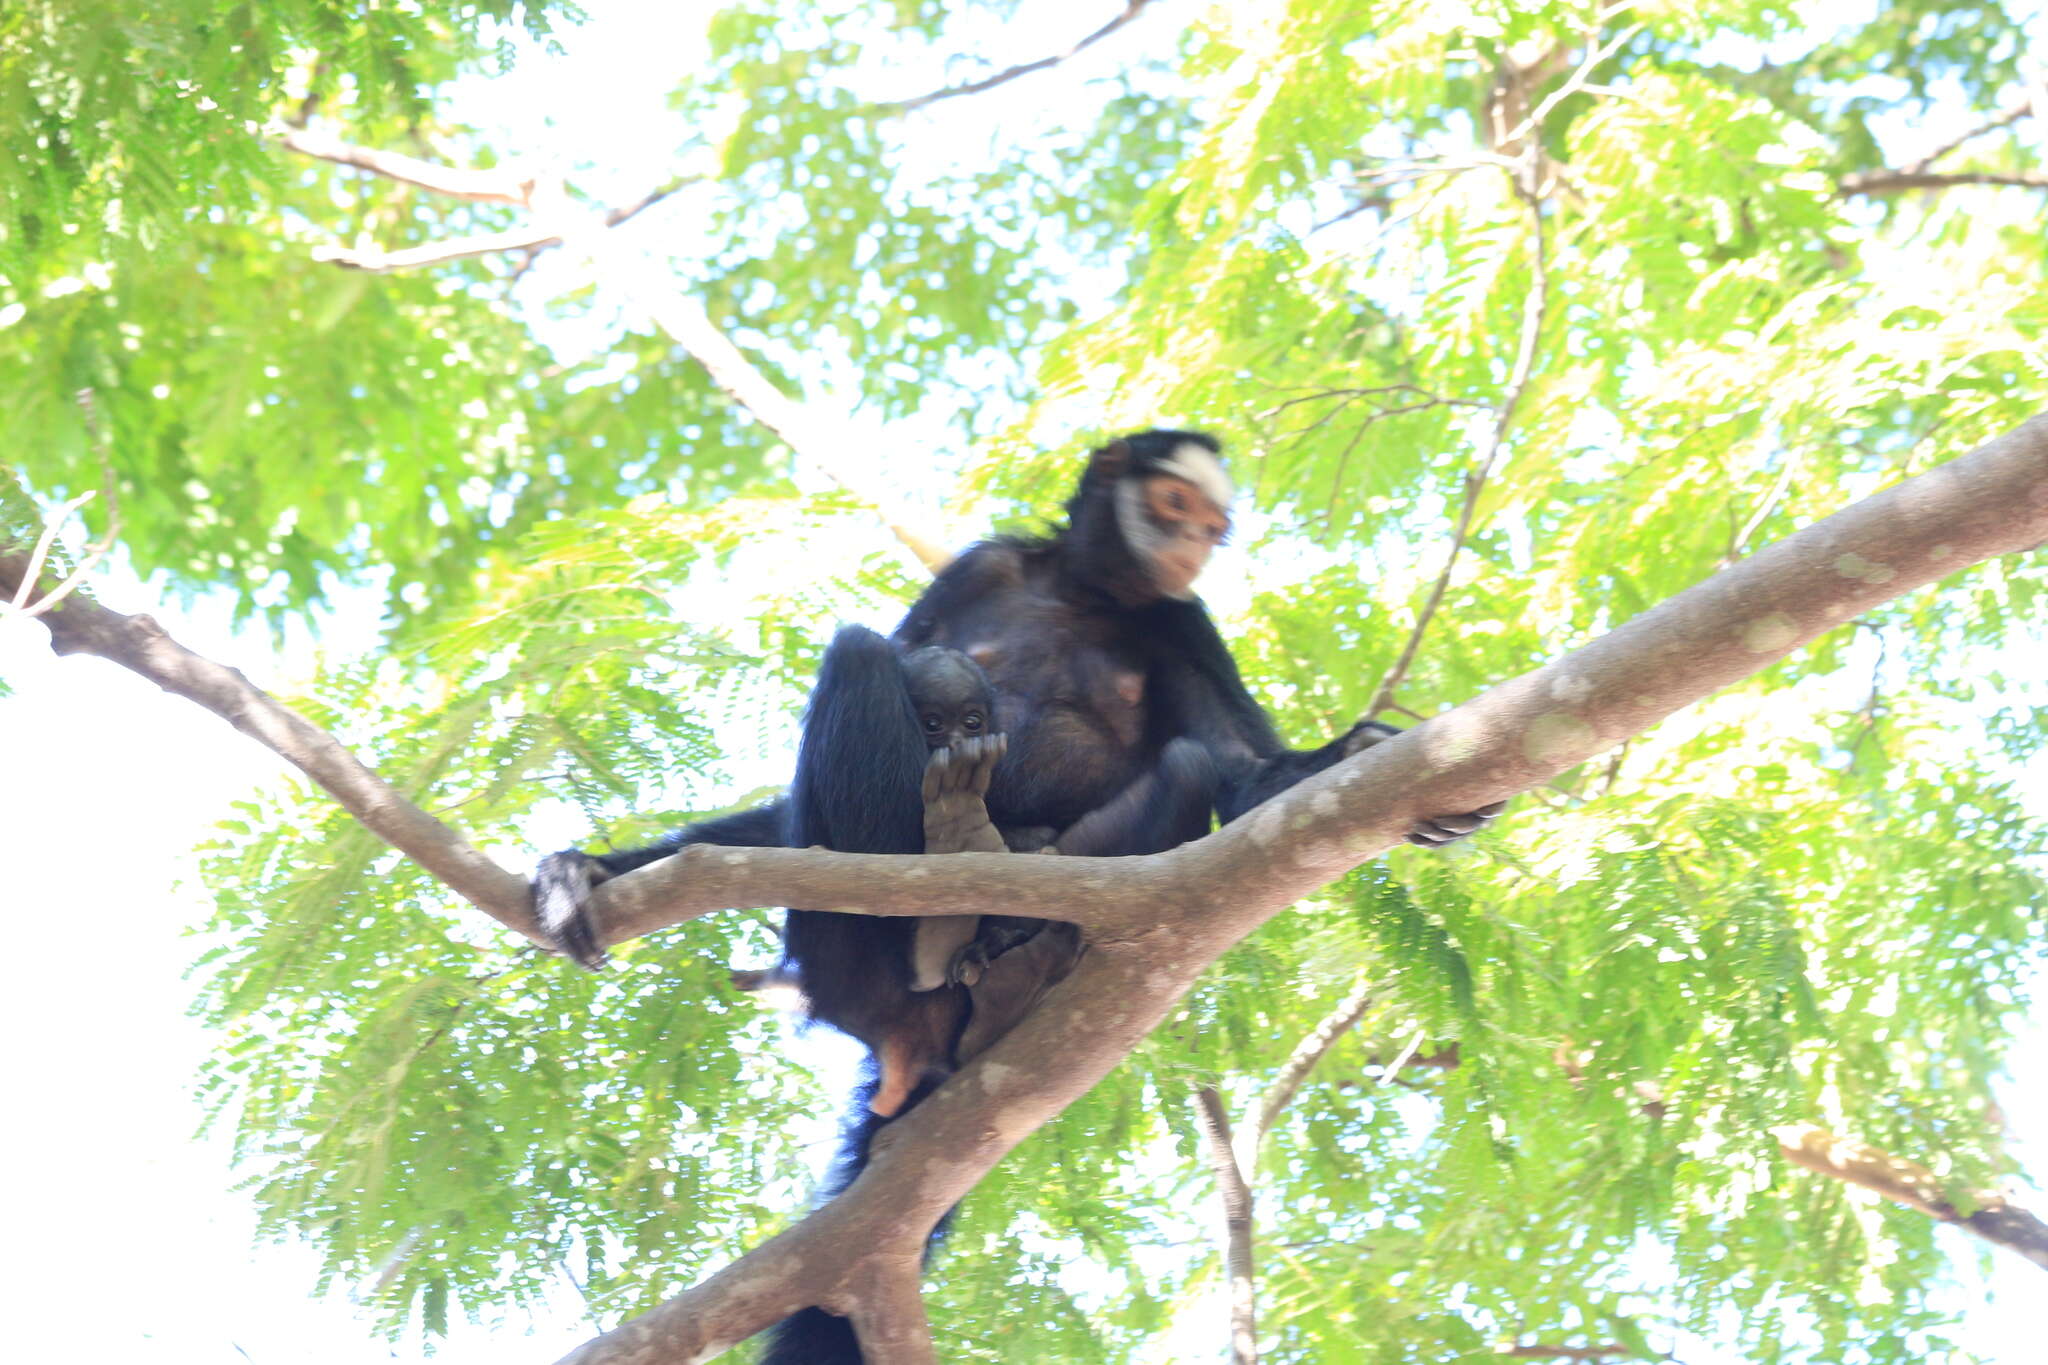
<point>935,773</point>
<point>1457,824</point>
<point>985,766</point>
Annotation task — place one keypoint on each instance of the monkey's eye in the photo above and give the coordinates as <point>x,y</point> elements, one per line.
<point>1176,500</point>
<point>932,725</point>
<point>973,721</point>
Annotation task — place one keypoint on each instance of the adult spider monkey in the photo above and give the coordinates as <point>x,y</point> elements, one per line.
<point>1110,682</point>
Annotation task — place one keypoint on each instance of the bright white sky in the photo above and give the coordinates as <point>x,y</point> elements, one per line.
<point>126,1241</point>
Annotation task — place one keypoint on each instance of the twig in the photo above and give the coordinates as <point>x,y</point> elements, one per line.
<point>89,558</point>
<point>1534,308</point>
<point>1763,509</point>
<point>1130,12</point>
<point>1235,1195</point>
<point>684,319</point>
<point>614,217</point>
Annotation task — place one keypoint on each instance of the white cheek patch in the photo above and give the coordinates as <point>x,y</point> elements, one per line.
<point>1141,537</point>
<point>1201,468</point>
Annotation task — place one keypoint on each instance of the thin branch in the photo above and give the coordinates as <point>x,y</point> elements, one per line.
<point>1572,85</point>
<point>34,568</point>
<point>2004,118</point>
<point>1131,11</point>
<point>1605,1352</point>
<point>1993,1217</point>
<point>499,185</point>
<point>89,558</point>
<point>1534,308</point>
<point>1314,1046</point>
<point>1234,1193</point>
<point>1763,509</point>
<point>1897,182</point>
<point>376,260</point>
<point>685,320</point>
<point>614,217</point>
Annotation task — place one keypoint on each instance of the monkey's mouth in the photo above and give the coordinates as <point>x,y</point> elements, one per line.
<point>1174,575</point>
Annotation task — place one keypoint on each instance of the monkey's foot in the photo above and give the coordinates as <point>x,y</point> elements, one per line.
<point>1438,830</point>
<point>956,779</point>
<point>561,886</point>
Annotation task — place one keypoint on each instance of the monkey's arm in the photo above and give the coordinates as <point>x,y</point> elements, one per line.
<point>563,881</point>
<point>1197,682</point>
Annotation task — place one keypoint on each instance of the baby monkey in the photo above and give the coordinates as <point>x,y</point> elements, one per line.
<point>956,711</point>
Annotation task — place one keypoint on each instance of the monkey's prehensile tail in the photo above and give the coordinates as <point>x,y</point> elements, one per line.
<point>814,1336</point>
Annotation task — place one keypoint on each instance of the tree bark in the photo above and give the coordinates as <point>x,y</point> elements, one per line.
<point>1234,1194</point>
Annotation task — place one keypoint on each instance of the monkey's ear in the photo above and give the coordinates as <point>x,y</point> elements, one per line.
<point>1111,461</point>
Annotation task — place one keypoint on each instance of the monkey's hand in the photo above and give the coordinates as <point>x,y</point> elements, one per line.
<point>561,891</point>
<point>1438,830</point>
<point>955,780</point>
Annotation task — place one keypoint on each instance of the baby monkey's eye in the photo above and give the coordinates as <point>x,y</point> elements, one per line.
<point>932,725</point>
<point>973,721</point>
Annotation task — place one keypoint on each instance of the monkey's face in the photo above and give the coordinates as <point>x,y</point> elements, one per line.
<point>951,694</point>
<point>1186,526</point>
<point>947,723</point>
<point>1173,515</point>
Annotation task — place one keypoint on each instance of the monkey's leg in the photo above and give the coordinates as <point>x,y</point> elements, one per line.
<point>913,1045</point>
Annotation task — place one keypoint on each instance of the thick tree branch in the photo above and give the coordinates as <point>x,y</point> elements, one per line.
<point>1132,8</point>
<point>1234,1193</point>
<point>1994,1218</point>
<point>78,625</point>
<point>1160,921</point>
